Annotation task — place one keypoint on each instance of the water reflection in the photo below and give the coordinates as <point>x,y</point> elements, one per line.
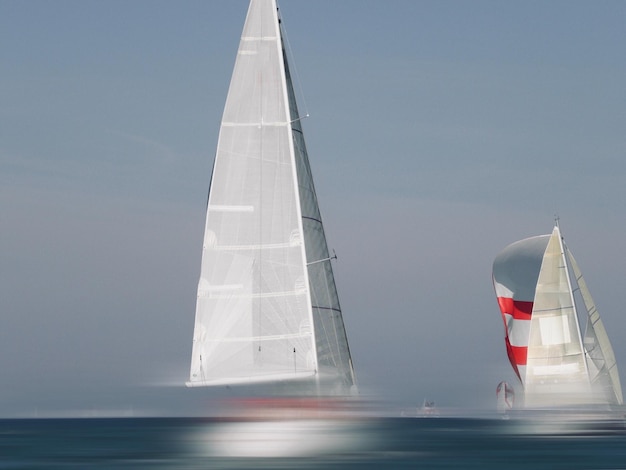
<point>565,423</point>
<point>285,427</point>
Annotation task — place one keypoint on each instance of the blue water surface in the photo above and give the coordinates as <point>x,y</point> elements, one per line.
<point>182,443</point>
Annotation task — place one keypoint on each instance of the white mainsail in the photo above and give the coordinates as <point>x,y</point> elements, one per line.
<point>267,307</point>
<point>556,364</point>
<point>538,285</point>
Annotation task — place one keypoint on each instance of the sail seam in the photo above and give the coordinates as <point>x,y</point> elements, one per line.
<point>259,38</point>
<point>258,338</point>
<point>265,246</point>
<point>268,295</point>
<point>256,124</point>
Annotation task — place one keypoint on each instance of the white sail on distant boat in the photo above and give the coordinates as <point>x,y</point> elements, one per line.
<point>267,306</point>
<point>543,297</point>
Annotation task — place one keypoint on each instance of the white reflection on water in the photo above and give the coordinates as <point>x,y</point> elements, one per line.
<point>281,438</point>
<point>284,428</point>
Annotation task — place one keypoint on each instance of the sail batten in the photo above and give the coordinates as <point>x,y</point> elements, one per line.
<point>266,246</point>
<point>257,285</point>
<point>230,208</point>
<point>257,124</point>
<point>259,38</point>
<point>259,295</point>
<point>255,338</point>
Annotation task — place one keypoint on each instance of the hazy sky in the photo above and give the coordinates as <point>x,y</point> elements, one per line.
<point>439,132</point>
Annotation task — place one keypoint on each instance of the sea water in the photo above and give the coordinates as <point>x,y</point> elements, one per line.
<point>363,443</point>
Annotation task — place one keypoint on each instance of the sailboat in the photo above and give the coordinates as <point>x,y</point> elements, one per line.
<point>544,300</point>
<point>505,396</point>
<point>267,307</point>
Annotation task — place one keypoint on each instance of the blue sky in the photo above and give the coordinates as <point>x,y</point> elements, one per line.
<point>439,132</point>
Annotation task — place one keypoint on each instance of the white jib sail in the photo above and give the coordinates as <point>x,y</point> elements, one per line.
<point>556,370</point>
<point>257,313</point>
<point>601,359</point>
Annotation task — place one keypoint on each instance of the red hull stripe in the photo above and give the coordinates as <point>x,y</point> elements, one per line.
<point>518,309</point>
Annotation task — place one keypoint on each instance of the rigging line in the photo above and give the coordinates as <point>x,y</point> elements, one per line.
<point>292,61</point>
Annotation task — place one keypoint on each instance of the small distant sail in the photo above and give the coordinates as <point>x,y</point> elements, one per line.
<point>537,283</point>
<point>505,395</point>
